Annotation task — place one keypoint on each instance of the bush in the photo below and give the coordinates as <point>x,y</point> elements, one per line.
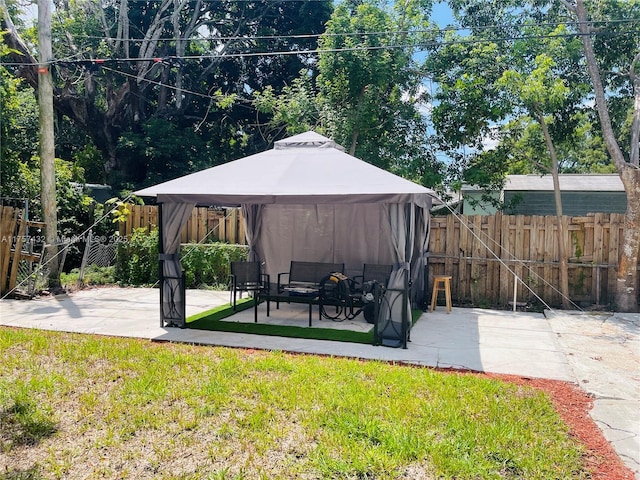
<point>137,258</point>
<point>93,275</point>
<point>205,265</point>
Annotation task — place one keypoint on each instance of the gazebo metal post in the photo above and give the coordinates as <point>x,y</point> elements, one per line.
<point>161,263</point>
<point>387,331</point>
<point>406,327</point>
<point>377,298</point>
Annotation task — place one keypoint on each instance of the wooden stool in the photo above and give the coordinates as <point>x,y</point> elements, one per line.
<point>441,284</point>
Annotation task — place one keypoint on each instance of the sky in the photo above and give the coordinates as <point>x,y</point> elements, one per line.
<point>441,14</point>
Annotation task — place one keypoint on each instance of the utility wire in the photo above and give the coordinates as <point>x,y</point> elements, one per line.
<point>170,87</point>
<point>418,48</point>
<point>356,34</point>
<point>511,257</point>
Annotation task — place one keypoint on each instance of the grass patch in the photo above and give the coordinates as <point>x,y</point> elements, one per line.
<point>212,320</point>
<point>126,408</point>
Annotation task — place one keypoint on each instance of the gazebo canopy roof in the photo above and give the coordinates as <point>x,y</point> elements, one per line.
<point>303,169</point>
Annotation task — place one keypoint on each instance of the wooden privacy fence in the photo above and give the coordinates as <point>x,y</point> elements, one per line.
<point>479,257</point>
<point>216,224</point>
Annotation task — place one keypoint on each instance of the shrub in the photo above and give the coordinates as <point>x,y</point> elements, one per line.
<point>137,258</point>
<point>205,265</point>
<point>93,275</point>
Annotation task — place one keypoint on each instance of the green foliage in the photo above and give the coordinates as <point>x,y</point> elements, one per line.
<point>76,213</point>
<point>581,150</point>
<point>205,265</point>
<point>187,112</point>
<point>296,108</point>
<point>18,130</point>
<point>367,93</point>
<point>93,275</point>
<point>137,258</point>
<point>88,158</point>
<point>501,82</point>
<point>161,151</point>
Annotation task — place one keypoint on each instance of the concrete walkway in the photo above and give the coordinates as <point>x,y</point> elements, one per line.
<point>599,352</point>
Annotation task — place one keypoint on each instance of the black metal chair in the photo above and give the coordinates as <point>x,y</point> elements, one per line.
<point>372,272</point>
<point>361,295</point>
<point>247,277</point>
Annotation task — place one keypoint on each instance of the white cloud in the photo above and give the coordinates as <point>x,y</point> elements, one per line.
<point>491,141</point>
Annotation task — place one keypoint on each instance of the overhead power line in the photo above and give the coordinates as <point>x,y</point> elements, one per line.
<point>318,51</point>
<point>305,36</point>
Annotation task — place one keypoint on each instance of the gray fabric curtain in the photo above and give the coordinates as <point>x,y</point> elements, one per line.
<point>252,217</point>
<point>394,311</point>
<point>353,234</point>
<point>401,220</point>
<point>420,257</point>
<point>174,217</point>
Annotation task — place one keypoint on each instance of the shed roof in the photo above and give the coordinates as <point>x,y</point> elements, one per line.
<point>568,182</point>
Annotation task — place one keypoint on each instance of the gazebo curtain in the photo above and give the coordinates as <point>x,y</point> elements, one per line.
<point>393,319</point>
<point>419,257</point>
<point>354,234</point>
<point>252,217</point>
<point>173,218</point>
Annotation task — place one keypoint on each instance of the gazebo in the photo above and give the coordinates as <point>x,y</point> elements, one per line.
<point>306,200</point>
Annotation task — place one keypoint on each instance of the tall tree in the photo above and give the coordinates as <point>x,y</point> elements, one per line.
<point>492,73</point>
<point>542,94</point>
<point>46,140</point>
<point>120,63</point>
<point>625,64</point>
<point>368,86</point>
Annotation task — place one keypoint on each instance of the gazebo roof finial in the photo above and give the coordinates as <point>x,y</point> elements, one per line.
<point>308,139</point>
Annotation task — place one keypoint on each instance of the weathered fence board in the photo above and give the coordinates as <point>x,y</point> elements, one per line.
<point>8,223</point>
<point>482,254</point>
<point>17,256</point>
<point>210,224</point>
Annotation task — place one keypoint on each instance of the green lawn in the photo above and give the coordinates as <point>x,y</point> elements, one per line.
<point>83,406</point>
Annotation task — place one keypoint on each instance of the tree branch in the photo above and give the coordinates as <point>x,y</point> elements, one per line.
<point>598,89</point>
<point>20,52</point>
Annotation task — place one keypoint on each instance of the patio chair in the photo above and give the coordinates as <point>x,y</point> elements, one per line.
<point>372,272</point>
<point>247,277</point>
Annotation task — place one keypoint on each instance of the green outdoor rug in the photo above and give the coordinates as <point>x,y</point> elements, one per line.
<point>212,320</point>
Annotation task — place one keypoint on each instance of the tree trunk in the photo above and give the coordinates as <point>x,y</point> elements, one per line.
<point>627,278</point>
<point>634,157</point>
<point>564,267</point>
<point>356,131</point>
<point>47,143</point>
